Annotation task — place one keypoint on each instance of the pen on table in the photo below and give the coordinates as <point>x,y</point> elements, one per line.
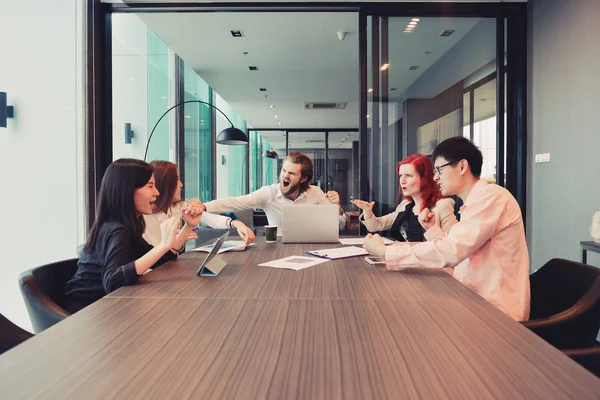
<point>317,254</point>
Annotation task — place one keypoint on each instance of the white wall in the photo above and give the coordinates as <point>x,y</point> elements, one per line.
<point>564,80</point>
<point>41,150</point>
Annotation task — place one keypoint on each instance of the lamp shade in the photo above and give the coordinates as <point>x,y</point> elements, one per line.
<point>232,136</point>
<point>271,154</point>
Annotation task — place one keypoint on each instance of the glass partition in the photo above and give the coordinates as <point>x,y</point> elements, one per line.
<point>429,78</point>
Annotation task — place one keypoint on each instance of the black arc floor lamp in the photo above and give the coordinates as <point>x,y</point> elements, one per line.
<point>228,136</point>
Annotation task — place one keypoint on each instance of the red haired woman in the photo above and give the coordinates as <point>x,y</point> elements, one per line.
<point>418,191</point>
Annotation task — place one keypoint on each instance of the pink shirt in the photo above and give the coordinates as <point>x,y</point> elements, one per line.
<point>487,248</point>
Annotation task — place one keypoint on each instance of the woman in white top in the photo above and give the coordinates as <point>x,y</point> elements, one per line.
<point>169,204</point>
<point>419,191</point>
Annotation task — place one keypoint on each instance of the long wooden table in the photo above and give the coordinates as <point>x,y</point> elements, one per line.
<point>342,329</point>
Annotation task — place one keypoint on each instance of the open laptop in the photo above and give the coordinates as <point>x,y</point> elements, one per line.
<point>310,223</point>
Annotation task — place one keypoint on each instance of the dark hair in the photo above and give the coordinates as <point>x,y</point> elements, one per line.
<point>459,148</point>
<point>115,199</point>
<point>306,167</point>
<point>430,192</point>
<point>165,174</point>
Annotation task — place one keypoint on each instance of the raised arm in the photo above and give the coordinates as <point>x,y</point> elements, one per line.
<point>255,199</point>
<point>121,268</point>
<point>373,223</point>
<point>444,214</point>
<point>478,223</point>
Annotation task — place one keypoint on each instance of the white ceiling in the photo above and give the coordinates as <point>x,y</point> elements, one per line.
<point>299,56</point>
<point>300,59</point>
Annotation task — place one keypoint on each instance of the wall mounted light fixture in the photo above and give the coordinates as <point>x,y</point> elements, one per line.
<point>129,134</point>
<point>6,111</point>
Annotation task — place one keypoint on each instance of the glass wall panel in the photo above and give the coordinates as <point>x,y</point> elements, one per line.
<point>197,137</point>
<point>424,77</point>
<point>231,164</point>
<point>161,96</point>
<point>342,166</point>
<point>143,80</point>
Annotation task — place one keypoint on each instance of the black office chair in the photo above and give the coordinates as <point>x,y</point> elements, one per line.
<point>259,218</point>
<point>43,289</point>
<point>587,358</point>
<point>11,335</point>
<point>565,304</point>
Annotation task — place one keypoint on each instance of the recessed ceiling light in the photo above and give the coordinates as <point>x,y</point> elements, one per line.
<point>415,20</point>
<point>279,123</point>
<point>412,23</point>
<point>275,116</point>
<point>368,116</point>
<point>408,31</point>
<point>410,27</point>
<point>164,97</point>
<point>188,116</point>
<point>271,106</point>
<point>384,67</point>
<point>370,90</point>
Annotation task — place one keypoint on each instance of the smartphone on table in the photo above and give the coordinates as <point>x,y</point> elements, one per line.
<point>375,260</point>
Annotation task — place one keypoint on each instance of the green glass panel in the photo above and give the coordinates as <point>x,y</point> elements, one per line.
<point>158,96</point>
<point>197,137</point>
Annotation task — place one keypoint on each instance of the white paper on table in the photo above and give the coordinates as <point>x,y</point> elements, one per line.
<point>340,252</point>
<point>294,262</point>
<point>361,241</point>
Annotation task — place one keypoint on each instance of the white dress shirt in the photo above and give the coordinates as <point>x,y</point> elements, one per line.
<point>271,200</point>
<point>491,234</point>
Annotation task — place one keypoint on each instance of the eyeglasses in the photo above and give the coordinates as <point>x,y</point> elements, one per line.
<point>438,170</point>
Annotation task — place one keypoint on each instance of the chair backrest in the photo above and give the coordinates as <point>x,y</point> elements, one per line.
<point>43,290</point>
<point>259,218</point>
<point>587,358</point>
<point>558,285</point>
<point>11,335</point>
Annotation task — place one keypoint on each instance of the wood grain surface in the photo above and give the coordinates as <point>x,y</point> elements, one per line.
<point>339,330</point>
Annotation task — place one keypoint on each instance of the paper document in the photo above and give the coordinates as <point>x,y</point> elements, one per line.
<point>361,241</point>
<point>340,252</point>
<point>293,262</point>
<point>229,245</point>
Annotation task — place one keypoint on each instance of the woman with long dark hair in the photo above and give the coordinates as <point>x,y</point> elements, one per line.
<point>115,253</point>
<point>170,204</point>
<point>418,191</point>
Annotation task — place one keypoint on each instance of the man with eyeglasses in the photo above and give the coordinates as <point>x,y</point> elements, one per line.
<point>487,247</point>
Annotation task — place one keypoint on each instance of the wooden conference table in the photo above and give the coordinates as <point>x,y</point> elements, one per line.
<point>342,329</point>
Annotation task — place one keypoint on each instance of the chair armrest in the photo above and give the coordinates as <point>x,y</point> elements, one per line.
<point>43,312</point>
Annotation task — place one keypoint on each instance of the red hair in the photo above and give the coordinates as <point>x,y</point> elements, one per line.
<point>430,191</point>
